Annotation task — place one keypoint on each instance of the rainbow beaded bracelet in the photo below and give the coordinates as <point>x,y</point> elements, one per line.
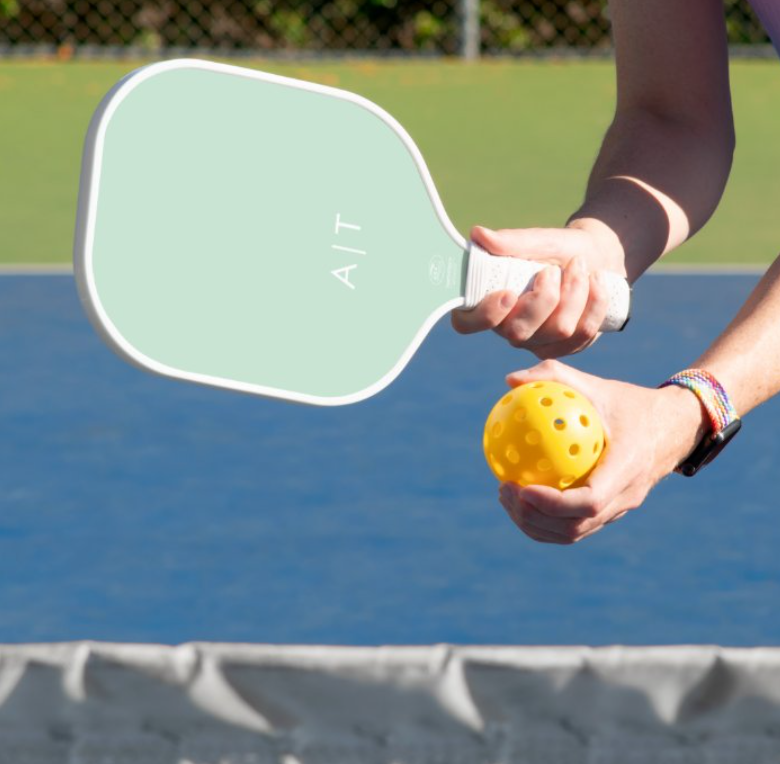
<point>721,412</point>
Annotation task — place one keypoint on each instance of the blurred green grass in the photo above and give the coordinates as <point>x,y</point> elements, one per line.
<point>509,144</point>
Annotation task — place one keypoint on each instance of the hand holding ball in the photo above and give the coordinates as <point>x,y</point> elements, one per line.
<point>543,433</point>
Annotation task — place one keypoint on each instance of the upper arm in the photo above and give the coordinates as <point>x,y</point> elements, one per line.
<point>672,60</point>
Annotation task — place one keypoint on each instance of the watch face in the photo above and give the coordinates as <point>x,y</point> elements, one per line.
<point>708,449</point>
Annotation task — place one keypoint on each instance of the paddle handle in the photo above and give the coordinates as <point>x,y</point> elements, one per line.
<point>488,273</point>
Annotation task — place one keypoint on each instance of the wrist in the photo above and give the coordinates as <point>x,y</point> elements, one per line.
<point>608,253</point>
<point>686,423</point>
<point>722,418</point>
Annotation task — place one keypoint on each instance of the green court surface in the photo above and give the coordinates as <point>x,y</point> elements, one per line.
<point>509,144</point>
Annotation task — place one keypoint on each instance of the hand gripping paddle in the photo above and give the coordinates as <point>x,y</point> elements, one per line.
<point>263,234</point>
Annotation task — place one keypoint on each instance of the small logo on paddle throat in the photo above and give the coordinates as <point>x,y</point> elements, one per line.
<point>437,269</point>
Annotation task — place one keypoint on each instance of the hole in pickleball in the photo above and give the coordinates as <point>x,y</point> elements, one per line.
<point>595,448</point>
<point>512,456</point>
<point>533,438</point>
<point>569,394</point>
<point>519,415</point>
<point>574,449</point>
<point>507,399</point>
<point>537,385</point>
<point>566,481</point>
<point>526,478</point>
<point>584,421</point>
<point>498,468</point>
<point>544,465</point>
<point>498,429</point>
<point>546,401</point>
<point>559,424</point>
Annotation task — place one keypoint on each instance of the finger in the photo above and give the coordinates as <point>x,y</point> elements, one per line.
<point>551,370</point>
<point>580,503</point>
<point>594,313</point>
<point>532,531</point>
<point>565,319</point>
<point>569,528</point>
<point>544,537</point>
<point>490,312</point>
<point>617,517</point>
<point>556,245</point>
<point>533,308</point>
<point>588,329</point>
<point>599,499</point>
<point>542,499</point>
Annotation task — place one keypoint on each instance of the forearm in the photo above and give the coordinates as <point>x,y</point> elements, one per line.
<point>746,357</point>
<point>665,160</point>
<point>654,183</point>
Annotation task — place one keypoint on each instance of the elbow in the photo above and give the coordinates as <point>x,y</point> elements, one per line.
<point>704,135</point>
<point>711,128</point>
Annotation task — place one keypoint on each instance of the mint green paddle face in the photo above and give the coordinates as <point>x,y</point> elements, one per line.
<point>257,233</point>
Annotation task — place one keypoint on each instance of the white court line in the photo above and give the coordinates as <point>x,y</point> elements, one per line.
<point>28,269</point>
<point>713,269</point>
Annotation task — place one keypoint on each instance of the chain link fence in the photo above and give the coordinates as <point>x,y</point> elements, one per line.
<point>235,27</point>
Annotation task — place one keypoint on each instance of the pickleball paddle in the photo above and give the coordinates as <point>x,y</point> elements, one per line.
<point>269,235</point>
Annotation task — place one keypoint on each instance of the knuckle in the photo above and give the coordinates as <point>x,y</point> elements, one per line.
<point>549,365</point>
<point>517,336</point>
<point>588,330</point>
<point>496,314</point>
<point>598,296</point>
<point>579,342</point>
<point>576,281</point>
<point>517,343</point>
<point>560,330</point>
<point>547,297</point>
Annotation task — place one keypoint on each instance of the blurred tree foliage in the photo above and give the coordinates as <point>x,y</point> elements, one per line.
<point>510,26</point>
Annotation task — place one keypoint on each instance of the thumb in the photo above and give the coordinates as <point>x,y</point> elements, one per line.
<point>546,244</point>
<point>552,371</point>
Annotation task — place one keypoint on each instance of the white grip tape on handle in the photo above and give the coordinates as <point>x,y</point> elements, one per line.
<point>489,273</point>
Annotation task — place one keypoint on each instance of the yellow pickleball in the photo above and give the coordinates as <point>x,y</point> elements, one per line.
<point>543,433</point>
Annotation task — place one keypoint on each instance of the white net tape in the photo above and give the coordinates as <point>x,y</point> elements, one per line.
<point>90,703</point>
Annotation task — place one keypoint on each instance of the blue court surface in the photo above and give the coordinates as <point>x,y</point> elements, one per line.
<point>135,508</point>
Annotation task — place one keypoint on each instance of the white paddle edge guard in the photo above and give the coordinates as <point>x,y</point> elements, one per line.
<point>85,234</point>
<point>488,273</point>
